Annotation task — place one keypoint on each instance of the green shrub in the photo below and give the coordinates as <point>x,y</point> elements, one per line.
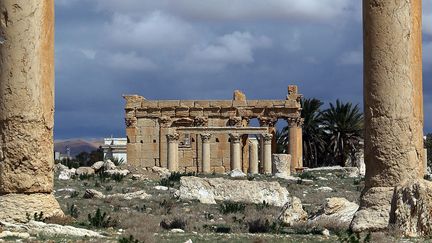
<point>101,220</point>
<point>86,177</point>
<point>262,206</point>
<point>108,188</point>
<point>176,223</point>
<point>36,217</point>
<point>117,177</point>
<point>307,175</point>
<point>73,211</point>
<point>231,207</point>
<point>74,194</point>
<point>262,226</point>
<point>167,205</point>
<point>351,237</point>
<point>130,239</point>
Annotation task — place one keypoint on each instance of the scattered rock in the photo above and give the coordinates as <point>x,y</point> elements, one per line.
<point>161,188</point>
<point>162,172</point>
<point>306,181</point>
<point>177,231</point>
<point>293,212</point>
<point>322,178</point>
<point>208,190</point>
<point>91,193</point>
<point>85,171</point>
<point>326,233</point>
<point>117,172</point>
<point>6,233</point>
<point>131,195</point>
<point>336,209</point>
<point>348,171</point>
<point>325,189</point>
<point>98,165</point>
<point>281,165</point>
<point>236,173</point>
<point>137,177</point>
<point>190,241</point>
<point>60,167</point>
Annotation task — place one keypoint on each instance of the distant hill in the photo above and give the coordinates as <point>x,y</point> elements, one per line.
<point>76,146</point>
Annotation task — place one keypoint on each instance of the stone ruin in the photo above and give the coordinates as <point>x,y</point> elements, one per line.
<point>210,135</point>
<point>395,195</point>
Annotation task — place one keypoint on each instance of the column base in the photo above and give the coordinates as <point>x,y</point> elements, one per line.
<point>15,207</point>
<point>374,212</point>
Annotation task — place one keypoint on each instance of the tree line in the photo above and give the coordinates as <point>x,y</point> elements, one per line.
<point>332,136</point>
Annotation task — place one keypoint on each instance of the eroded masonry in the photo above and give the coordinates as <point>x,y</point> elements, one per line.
<point>211,135</point>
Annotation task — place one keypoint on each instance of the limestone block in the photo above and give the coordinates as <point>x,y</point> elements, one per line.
<point>281,165</point>
<point>187,103</point>
<point>202,104</point>
<point>278,103</point>
<point>149,104</point>
<point>264,104</point>
<point>168,111</point>
<point>133,101</point>
<point>218,169</point>
<point>293,212</point>
<point>196,112</point>
<point>168,103</point>
<point>239,96</point>
<point>182,112</point>
<point>336,209</point>
<point>154,112</point>
<point>212,112</point>
<point>221,103</point>
<point>210,190</point>
<point>293,104</point>
<point>85,171</point>
<point>15,206</point>
<point>228,112</point>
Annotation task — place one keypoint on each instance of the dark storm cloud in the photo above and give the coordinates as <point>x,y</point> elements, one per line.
<point>190,49</point>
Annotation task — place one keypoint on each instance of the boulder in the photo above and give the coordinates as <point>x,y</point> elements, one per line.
<point>98,165</point>
<point>91,193</point>
<point>66,174</point>
<point>236,173</point>
<point>109,165</point>
<point>60,167</point>
<point>293,212</point>
<point>210,190</point>
<point>281,164</point>
<point>9,234</point>
<point>36,228</point>
<point>162,172</point>
<point>85,171</point>
<point>324,189</point>
<point>336,209</point>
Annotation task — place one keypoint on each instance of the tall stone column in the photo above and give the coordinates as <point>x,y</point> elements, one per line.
<point>235,152</point>
<point>295,142</point>
<point>253,156</point>
<point>267,163</point>
<point>393,111</point>
<point>27,109</point>
<point>172,155</point>
<point>206,156</point>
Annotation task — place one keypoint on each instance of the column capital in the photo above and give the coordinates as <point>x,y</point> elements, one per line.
<point>268,137</point>
<point>235,137</point>
<point>173,137</point>
<point>205,137</point>
<point>295,121</point>
<point>267,121</point>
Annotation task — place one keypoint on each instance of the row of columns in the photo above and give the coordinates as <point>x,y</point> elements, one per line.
<point>236,153</point>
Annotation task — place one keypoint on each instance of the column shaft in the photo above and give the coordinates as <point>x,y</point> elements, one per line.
<point>206,156</point>
<point>253,156</point>
<point>267,163</point>
<point>172,151</point>
<point>235,152</point>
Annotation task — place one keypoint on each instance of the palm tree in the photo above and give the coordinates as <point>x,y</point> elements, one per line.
<point>343,125</point>
<point>313,142</point>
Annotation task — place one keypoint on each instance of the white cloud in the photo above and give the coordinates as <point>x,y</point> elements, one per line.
<point>130,61</point>
<point>316,10</point>
<point>351,58</point>
<point>153,30</point>
<point>235,48</point>
<point>89,54</point>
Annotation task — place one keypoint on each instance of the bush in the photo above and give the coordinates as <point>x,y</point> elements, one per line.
<point>130,239</point>
<point>307,175</point>
<point>101,220</point>
<point>167,205</point>
<point>262,206</point>
<point>173,178</point>
<point>36,217</point>
<point>86,177</point>
<point>231,207</point>
<point>73,211</point>
<point>117,177</point>
<point>74,194</point>
<point>351,237</point>
<point>261,226</point>
<point>177,223</point>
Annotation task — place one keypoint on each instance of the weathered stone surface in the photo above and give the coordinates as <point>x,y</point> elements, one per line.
<point>210,190</point>
<point>236,173</point>
<point>9,234</point>
<point>109,165</point>
<point>85,171</point>
<point>117,172</point>
<point>66,174</point>
<point>412,208</point>
<point>98,165</point>
<point>91,193</point>
<point>336,209</point>
<point>59,167</point>
<point>35,228</point>
<point>162,172</point>
<point>26,96</point>
<point>374,211</point>
<point>15,206</point>
<point>131,195</point>
<point>293,212</point>
<point>281,165</point>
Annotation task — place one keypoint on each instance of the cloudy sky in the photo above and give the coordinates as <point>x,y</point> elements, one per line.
<point>194,49</point>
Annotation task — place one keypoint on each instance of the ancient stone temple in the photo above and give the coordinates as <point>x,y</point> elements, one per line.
<point>210,135</point>
<point>395,193</point>
<point>27,109</point>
